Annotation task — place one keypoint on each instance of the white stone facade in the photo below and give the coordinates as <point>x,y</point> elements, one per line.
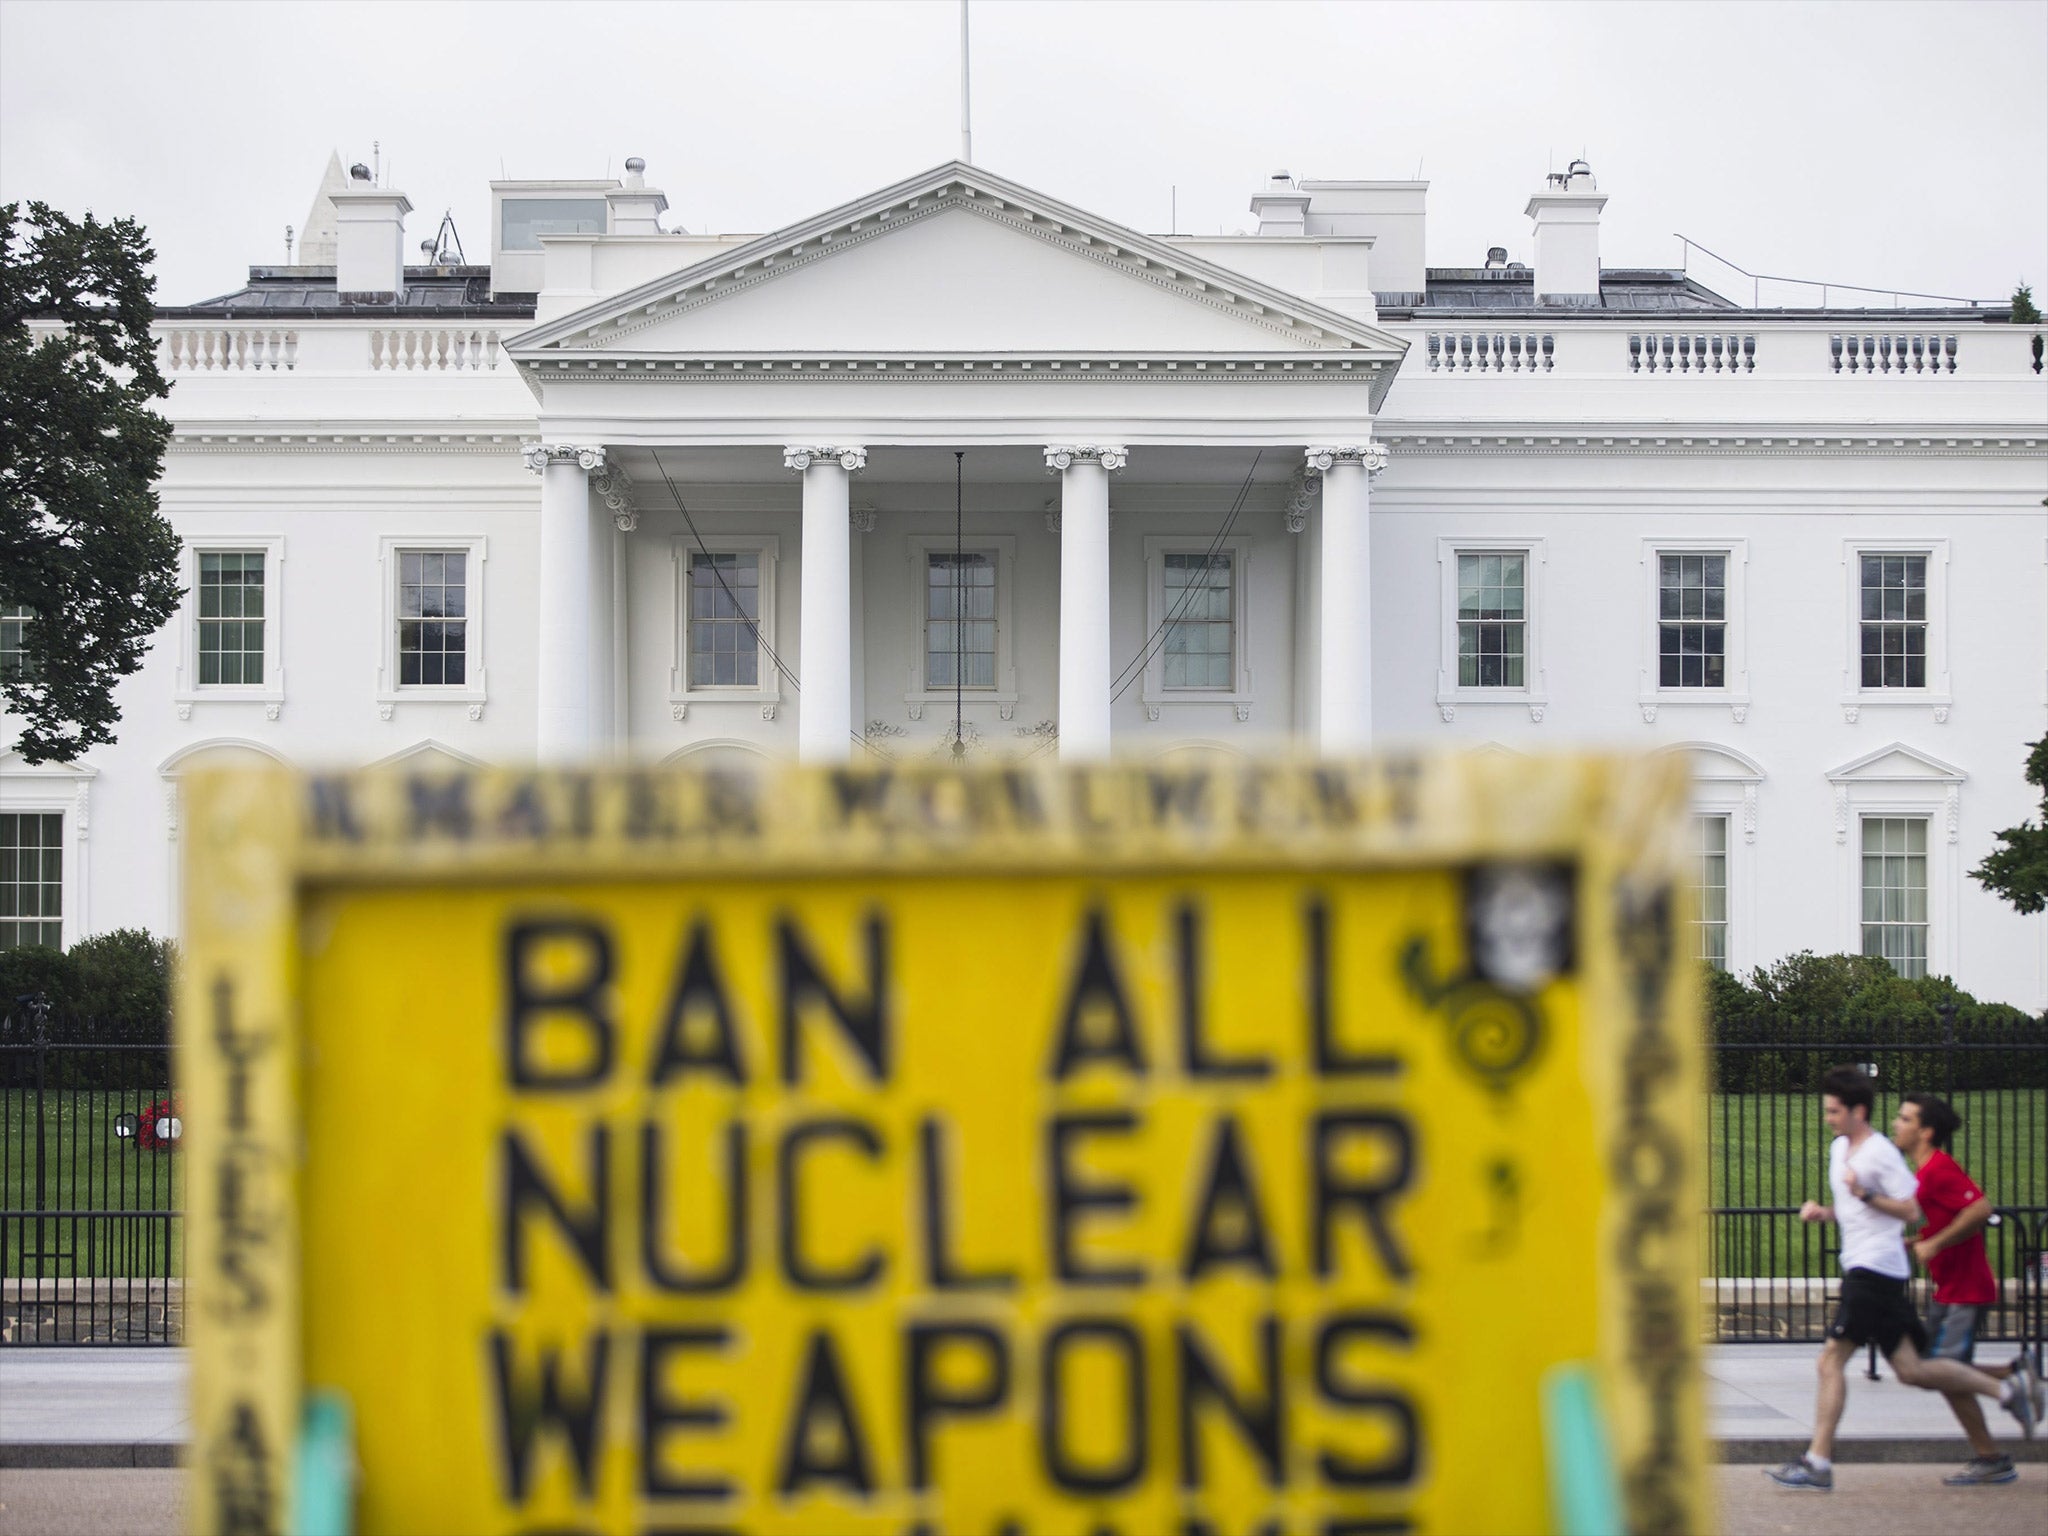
<point>1124,403</point>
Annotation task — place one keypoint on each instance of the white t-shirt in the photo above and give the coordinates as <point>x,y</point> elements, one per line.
<point>1870,1239</point>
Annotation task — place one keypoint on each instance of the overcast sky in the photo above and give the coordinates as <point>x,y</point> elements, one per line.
<point>1886,144</point>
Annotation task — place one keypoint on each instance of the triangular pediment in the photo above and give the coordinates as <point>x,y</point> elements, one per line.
<point>429,756</point>
<point>1895,764</point>
<point>956,263</point>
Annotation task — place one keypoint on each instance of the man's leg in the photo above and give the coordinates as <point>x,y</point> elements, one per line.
<point>1964,1406</point>
<point>1833,1366</point>
<point>1944,1376</point>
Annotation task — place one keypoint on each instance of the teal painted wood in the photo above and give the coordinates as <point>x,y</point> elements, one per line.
<point>1585,1494</point>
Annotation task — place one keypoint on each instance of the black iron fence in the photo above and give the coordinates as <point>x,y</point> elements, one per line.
<point>91,1189</point>
<point>91,1184</point>
<point>1770,1276</point>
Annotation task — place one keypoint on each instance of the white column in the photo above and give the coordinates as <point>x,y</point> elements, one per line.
<point>1086,670</point>
<point>567,549</point>
<point>824,711</point>
<point>1344,597</point>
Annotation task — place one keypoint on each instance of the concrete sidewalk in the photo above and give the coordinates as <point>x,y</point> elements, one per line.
<point>126,1407</point>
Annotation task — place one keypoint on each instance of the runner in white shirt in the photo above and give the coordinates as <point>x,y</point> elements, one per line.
<point>1873,1201</point>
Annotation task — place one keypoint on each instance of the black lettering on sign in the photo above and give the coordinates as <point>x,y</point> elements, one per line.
<point>732,801</point>
<point>796,1268</point>
<point>525,1413</point>
<point>927,1399</point>
<point>439,807</point>
<point>865,1024</point>
<point>524,813</point>
<point>523,1185</point>
<point>1072,1196</point>
<point>662,1413</point>
<point>1197,1059</point>
<point>1336,1191</point>
<point>1097,996</point>
<point>663,1273</point>
<point>334,814</point>
<point>1259,1414</point>
<point>941,1271</point>
<point>859,795</point>
<point>649,816</point>
<point>1195,1525</point>
<point>528,1003</point>
<point>699,997</point>
<point>1066,1471</point>
<point>1230,1223</point>
<point>825,1443</point>
<point>1398,1463</point>
<point>582,792</point>
<point>1332,1059</point>
<point>1182,797</point>
<point>245,1482</point>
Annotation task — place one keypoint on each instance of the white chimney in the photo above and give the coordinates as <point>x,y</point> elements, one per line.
<point>1281,206</point>
<point>1567,217</point>
<point>636,208</point>
<point>369,236</point>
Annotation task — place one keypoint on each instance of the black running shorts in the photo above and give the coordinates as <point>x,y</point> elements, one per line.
<point>1875,1309</point>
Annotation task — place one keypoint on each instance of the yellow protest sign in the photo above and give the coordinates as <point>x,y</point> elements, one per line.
<point>1174,1150</point>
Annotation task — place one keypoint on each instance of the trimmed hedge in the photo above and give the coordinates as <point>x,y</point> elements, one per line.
<point>113,986</point>
<point>1793,1020</point>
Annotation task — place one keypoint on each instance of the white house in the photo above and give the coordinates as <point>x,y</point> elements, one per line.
<point>642,493</point>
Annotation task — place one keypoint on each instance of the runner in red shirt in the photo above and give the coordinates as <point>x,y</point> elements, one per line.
<point>1951,1245</point>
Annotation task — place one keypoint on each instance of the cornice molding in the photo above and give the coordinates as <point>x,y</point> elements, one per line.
<point>964,368</point>
<point>1825,443</point>
<point>240,441</point>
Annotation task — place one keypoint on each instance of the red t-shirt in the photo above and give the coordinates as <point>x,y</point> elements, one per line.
<point>1960,1273</point>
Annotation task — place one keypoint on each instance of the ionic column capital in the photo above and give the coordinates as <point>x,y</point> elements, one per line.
<point>1370,456</point>
<point>1060,456</point>
<point>802,457</point>
<point>541,455</point>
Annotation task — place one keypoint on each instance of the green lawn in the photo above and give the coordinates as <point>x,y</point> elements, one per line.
<point>86,1168</point>
<point>1771,1150</point>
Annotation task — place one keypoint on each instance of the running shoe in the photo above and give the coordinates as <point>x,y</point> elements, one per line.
<point>2024,1366</point>
<point>2018,1399</point>
<point>1983,1470</point>
<point>1802,1474</point>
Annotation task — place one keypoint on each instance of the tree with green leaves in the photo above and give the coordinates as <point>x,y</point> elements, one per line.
<point>2023,310</point>
<point>88,566</point>
<point>2019,870</point>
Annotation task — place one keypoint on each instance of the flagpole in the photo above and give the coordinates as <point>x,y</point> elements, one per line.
<point>966,119</point>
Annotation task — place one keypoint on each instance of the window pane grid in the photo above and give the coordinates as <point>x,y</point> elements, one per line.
<point>1692,621</point>
<point>1710,889</point>
<point>14,621</point>
<point>433,618</point>
<point>31,878</point>
<point>231,617</point>
<point>725,612</point>
<point>1200,650</point>
<point>1492,620</point>
<point>960,620</point>
<point>1893,624</point>
<point>1895,891</point>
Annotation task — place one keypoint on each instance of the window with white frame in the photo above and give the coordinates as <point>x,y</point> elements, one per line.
<point>1200,644</point>
<point>1897,630</point>
<point>15,619</point>
<point>1709,871</point>
<point>31,878</point>
<point>1895,891</point>
<point>1198,605</point>
<point>1493,619</point>
<point>964,619</point>
<point>433,618</point>
<point>1892,620</point>
<point>232,617</point>
<point>1692,620</point>
<point>725,619</point>
<point>960,619</point>
<point>233,641</point>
